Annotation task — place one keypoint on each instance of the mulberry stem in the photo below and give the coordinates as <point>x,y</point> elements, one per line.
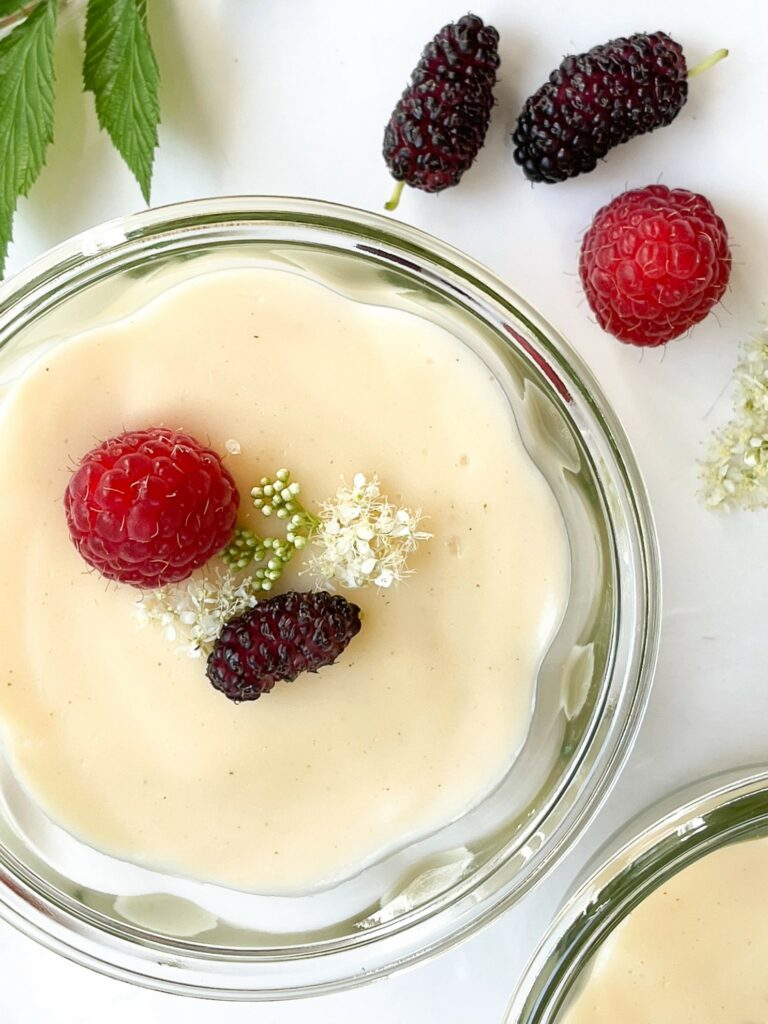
<point>394,199</point>
<point>709,62</point>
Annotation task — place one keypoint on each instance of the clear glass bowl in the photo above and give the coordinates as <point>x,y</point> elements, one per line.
<point>670,835</point>
<point>592,687</point>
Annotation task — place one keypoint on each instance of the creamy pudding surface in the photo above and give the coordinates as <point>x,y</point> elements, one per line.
<point>694,952</point>
<point>122,740</point>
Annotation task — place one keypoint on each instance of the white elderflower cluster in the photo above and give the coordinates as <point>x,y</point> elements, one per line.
<point>193,613</point>
<point>735,471</point>
<point>358,539</point>
<point>361,538</point>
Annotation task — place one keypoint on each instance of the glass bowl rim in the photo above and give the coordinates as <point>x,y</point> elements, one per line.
<point>667,836</point>
<point>82,256</point>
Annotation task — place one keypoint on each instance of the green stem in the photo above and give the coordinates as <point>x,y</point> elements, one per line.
<point>394,199</point>
<point>19,15</point>
<point>710,61</point>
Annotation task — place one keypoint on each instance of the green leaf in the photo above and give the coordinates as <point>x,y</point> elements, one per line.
<point>121,71</point>
<point>26,109</point>
<point>9,7</point>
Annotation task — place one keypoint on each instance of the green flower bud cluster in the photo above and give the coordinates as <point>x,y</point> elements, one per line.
<point>276,496</point>
<point>280,496</point>
<point>244,548</point>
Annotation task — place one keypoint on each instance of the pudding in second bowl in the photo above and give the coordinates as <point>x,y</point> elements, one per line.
<point>693,952</point>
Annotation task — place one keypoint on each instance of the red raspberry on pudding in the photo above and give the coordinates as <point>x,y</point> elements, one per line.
<point>148,507</point>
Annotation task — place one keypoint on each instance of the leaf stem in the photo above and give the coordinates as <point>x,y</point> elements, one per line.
<point>19,15</point>
<point>394,199</point>
<point>709,62</point>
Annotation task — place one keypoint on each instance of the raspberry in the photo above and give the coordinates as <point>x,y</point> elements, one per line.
<point>654,263</point>
<point>596,100</point>
<point>440,121</point>
<point>149,507</point>
<point>278,639</point>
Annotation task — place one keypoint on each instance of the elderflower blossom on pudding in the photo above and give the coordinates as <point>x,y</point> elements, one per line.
<point>195,611</point>
<point>363,539</point>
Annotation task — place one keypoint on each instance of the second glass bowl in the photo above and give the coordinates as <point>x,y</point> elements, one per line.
<point>592,687</point>
<point>668,837</point>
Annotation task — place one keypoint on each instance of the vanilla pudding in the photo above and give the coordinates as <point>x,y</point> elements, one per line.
<point>122,740</point>
<point>693,952</point>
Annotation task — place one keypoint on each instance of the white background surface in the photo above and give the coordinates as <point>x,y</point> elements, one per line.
<point>264,96</point>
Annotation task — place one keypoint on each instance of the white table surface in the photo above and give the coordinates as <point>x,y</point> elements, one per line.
<point>264,96</point>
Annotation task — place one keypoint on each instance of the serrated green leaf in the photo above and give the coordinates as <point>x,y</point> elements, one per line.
<point>26,109</point>
<point>121,71</point>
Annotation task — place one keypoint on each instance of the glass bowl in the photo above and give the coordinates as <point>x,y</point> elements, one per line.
<point>669,836</point>
<point>180,936</point>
